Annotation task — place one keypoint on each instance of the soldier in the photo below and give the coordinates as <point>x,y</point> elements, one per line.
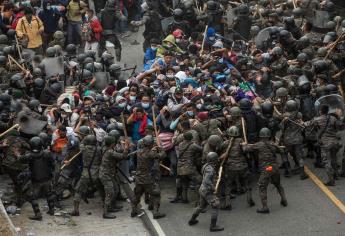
<point>292,135</point>
<point>269,171</point>
<point>278,62</point>
<point>3,70</point>
<point>58,39</point>
<point>108,174</point>
<point>89,178</point>
<point>144,181</point>
<point>186,166</point>
<point>242,23</point>
<point>41,166</point>
<point>327,125</point>
<point>212,144</point>
<point>207,193</point>
<point>236,167</point>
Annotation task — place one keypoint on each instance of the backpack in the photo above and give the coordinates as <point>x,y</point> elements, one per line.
<point>86,32</point>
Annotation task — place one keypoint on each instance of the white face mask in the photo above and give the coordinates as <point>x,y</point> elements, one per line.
<point>122,104</point>
<point>39,109</point>
<point>132,98</point>
<point>154,48</point>
<point>178,40</point>
<point>199,106</point>
<point>212,38</point>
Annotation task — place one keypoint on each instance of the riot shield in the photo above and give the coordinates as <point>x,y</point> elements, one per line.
<point>53,66</point>
<point>102,80</point>
<point>320,19</point>
<point>262,38</point>
<point>230,17</point>
<point>166,22</point>
<point>333,101</point>
<point>28,124</point>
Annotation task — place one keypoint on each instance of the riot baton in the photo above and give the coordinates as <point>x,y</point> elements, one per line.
<point>203,41</point>
<point>70,160</point>
<point>244,130</point>
<point>9,130</point>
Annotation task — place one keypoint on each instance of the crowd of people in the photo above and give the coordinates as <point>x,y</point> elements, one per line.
<point>228,91</point>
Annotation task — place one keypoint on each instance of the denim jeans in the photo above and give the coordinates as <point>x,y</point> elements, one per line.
<point>74,32</point>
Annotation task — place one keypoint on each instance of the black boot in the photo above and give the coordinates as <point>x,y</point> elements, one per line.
<point>156,213</point>
<point>107,214</point>
<point>37,212</point>
<point>287,167</point>
<point>75,211</point>
<point>193,220</point>
<point>178,198</point>
<point>303,175</point>
<point>214,227</point>
<point>264,209</point>
<point>330,181</point>
<point>51,208</point>
<point>283,200</point>
<point>342,172</point>
<point>250,200</point>
<point>185,196</point>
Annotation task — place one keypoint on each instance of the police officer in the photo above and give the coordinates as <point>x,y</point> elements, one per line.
<point>207,193</point>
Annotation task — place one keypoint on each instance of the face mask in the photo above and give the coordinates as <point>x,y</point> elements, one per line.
<point>154,48</point>
<point>190,113</point>
<point>145,105</point>
<point>212,38</point>
<point>199,106</point>
<point>39,109</point>
<point>170,76</point>
<point>122,104</point>
<point>169,46</point>
<point>132,98</point>
<point>49,7</point>
<point>178,40</point>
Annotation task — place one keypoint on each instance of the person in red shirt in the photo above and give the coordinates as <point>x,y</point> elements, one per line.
<point>95,31</point>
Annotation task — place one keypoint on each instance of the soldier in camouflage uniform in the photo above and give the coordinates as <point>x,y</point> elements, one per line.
<point>3,70</point>
<point>186,168</point>
<point>327,126</point>
<point>236,167</point>
<point>278,62</point>
<point>212,144</point>
<point>144,180</point>
<point>292,135</point>
<point>91,155</point>
<point>108,174</point>
<point>269,171</point>
<point>207,193</point>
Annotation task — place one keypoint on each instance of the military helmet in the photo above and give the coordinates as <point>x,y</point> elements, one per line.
<point>254,30</point>
<point>212,157</point>
<point>81,58</point>
<point>36,144</point>
<point>3,39</point>
<point>284,34</point>
<point>297,12</point>
<point>111,126</point>
<point>11,33</point>
<point>235,111</point>
<point>9,50</point>
<point>148,140</point>
<point>5,98</point>
<point>277,84</point>
<point>114,70</point>
<point>321,52</point>
<point>115,133</point>
<point>44,137</point>
<point>267,108</point>
<point>234,131</point>
<point>245,104</point>
<point>265,133</point>
<point>56,88</point>
<point>109,140</point>
<point>37,72</point>
<point>178,12</point>
<point>282,92</point>
<point>88,60</point>
<point>302,80</point>
<point>304,41</point>
<point>331,89</point>
<point>331,25</point>
<point>39,83</point>
<point>302,57</point>
<point>343,24</point>
<point>291,106</point>
<point>320,66</point>
<point>90,53</point>
<point>17,81</point>
<point>84,130</point>
<point>3,60</point>
<point>58,50</point>
<point>59,35</point>
<point>71,49</point>
<point>34,104</point>
<point>86,74</point>
<point>211,5</point>
<point>90,140</point>
<point>277,51</point>
<point>243,10</point>
<point>107,58</point>
<point>188,135</point>
<point>214,140</point>
<point>51,52</point>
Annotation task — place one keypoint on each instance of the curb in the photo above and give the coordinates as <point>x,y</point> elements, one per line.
<point>6,226</point>
<point>146,217</point>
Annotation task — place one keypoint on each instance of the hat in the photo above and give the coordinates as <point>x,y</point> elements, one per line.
<point>177,33</point>
<point>66,108</point>
<point>211,32</point>
<point>218,44</point>
<point>178,90</point>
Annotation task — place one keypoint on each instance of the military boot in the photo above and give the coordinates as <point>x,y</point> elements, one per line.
<point>283,200</point>
<point>178,198</point>
<point>107,214</point>
<point>214,227</point>
<point>185,195</point>
<point>330,181</point>
<point>75,211</point>
<point>118,54</point>
<point>287,167</point>
<point>250,200</point>
<point>50,208</point>
<point>193,220</point>
<point>156,213</point>
<point>342,173</point>
<point>37,212</point>
<point>264,209</point>
<point>303,175</point>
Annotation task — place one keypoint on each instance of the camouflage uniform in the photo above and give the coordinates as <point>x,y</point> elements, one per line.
<point>108,174</point>
<point>186,168</point>
<point>144,180</point>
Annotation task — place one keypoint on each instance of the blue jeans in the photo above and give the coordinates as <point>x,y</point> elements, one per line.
<point>74,32</point>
